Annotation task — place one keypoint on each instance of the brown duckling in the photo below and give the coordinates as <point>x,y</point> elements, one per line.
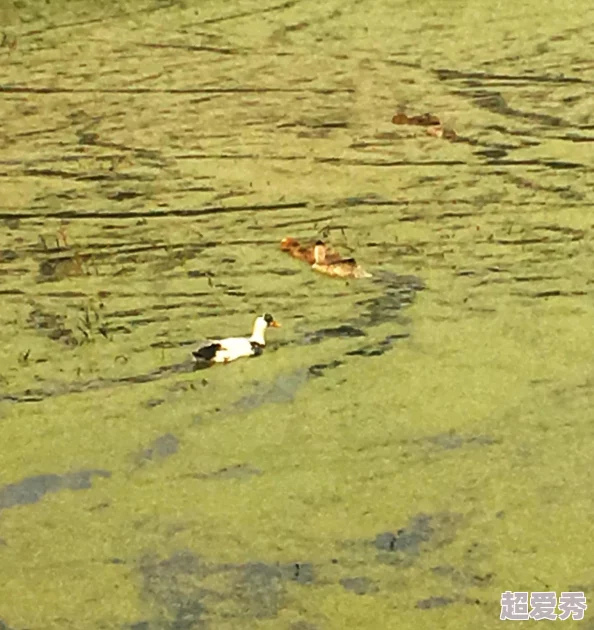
<point>342,268</point>
<point>306,252</point>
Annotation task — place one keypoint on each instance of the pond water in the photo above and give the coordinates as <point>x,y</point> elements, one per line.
<point>408,446</point>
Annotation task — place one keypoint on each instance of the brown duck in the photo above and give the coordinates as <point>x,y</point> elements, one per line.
<point>306,252</point>
<point>336,268</point>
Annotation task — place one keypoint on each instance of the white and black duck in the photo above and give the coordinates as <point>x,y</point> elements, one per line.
<point>232,348</point>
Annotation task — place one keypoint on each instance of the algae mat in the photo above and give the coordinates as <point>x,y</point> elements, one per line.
<point>409,446</point>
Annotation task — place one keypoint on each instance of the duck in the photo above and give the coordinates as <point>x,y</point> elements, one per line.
<point>306,252</point>
<point>342,268</point>
<point>232,348</point>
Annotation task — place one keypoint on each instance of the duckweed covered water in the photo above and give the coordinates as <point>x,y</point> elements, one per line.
<point>409,446</point>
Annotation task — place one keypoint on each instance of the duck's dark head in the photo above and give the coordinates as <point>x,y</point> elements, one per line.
<point>270,321</point>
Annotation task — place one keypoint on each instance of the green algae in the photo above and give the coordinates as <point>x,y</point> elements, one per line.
<point>398,457</point>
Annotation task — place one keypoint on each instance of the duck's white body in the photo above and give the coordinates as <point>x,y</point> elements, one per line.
<point>232,348</point>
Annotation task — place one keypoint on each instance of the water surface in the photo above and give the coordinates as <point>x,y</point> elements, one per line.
<point>408,447</point>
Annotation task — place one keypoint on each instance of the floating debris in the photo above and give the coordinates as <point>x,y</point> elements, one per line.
<point>238,471</point>
<point>433,125</point>
<point>51,325</point>
<point>58,268</point>
<point>63,260</point>
<point>421,120</point>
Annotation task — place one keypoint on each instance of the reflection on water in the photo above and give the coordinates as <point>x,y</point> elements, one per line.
<point>383,464</point>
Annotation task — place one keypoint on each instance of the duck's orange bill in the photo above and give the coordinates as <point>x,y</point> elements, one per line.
<point>274,324</point>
